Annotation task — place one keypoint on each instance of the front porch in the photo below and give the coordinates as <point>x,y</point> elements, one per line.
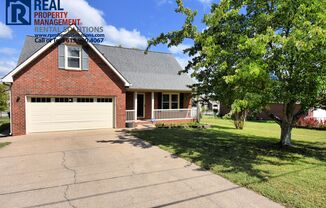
<point>159,107</point>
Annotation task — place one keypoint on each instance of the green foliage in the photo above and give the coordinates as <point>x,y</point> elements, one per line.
<point>3,97</point>
<point>188,30</point>
<point>258,51</point>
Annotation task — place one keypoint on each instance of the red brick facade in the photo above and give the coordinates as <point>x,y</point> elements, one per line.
<point>42,77</point>
<point>187,100</point>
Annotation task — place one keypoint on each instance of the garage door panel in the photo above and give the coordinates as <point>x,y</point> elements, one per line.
<point>43,117</point>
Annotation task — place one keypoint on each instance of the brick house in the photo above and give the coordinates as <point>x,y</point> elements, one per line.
<point>71,84</point>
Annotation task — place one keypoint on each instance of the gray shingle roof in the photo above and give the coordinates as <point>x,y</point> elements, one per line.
<point>152,71</point>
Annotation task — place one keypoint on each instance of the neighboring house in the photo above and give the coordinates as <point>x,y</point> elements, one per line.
<point>73,85</point>
<point>276,109</point>
<point>318,114</point>
<point>4,114</point>
<point>210,107</point>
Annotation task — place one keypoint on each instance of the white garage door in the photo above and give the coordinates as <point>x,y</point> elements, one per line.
<point>45,114</point>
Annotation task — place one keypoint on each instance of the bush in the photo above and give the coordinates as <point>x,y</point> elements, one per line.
<point>185,125</point>
<point>311,123</point>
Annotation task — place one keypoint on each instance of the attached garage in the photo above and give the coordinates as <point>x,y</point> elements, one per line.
<point>45,114</point>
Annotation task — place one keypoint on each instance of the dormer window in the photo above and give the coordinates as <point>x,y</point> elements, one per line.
<point>73,57</point>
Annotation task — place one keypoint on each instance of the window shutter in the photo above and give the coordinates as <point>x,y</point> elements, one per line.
<point>159,99</point>
<point>61,56</point>
<point>84,59</point>
<point>181,100</point>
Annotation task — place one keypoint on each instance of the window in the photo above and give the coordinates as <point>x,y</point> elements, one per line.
<point>73,57</point>
<point>104,100</point>
<point>166,101</point>
<point>174,101</point>
<point>64,100</point>
<point>170,101</point>
<point>41,100</point>
<point>85,100</point>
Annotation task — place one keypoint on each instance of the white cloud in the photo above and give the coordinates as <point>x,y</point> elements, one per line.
<point>8,51</point>
<point>7,66</point>
<point>206,1</point>
<point>161,2</point>
<point>124,37</point>
<point>91,16</point>
<point>5,31</point>
<point>178,49</point>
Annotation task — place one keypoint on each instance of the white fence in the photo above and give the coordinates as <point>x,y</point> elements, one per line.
<point>130,115</point>
<point>166,114</point>
<point>173,114</point>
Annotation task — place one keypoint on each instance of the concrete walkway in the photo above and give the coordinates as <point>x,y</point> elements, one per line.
<point>104,168</point>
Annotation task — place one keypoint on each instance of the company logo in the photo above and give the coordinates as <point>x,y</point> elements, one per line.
<point>18,12</point>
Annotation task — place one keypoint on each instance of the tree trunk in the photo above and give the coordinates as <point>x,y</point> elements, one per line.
<point>239,119</point>
<point>286,134</point>
<point>287,124</point>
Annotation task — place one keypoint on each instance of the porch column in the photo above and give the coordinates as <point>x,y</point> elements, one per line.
<point>135,106</point>
<point>198,108</point>
<point>152,106</point>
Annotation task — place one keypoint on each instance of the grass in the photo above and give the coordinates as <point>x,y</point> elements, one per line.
<point>295,177</point>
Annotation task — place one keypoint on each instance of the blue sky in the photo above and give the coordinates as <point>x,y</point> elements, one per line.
<point>127,22</point>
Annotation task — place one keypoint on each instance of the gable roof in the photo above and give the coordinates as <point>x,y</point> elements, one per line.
<point>151,71</point>
<point>31,55</point>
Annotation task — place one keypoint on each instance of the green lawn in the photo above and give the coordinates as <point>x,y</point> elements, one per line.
<point>295,177</point>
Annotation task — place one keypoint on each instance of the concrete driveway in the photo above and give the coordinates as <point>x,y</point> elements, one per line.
<point>104,168</point>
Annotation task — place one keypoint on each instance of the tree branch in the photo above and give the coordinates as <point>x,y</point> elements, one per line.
<point>299,114</point>
<point>276,118</point>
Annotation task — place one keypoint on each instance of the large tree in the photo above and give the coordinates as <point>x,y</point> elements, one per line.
<point>253,51</point>
<point>3,97</point>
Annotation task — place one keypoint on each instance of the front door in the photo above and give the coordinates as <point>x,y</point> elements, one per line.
<point>140,105</point>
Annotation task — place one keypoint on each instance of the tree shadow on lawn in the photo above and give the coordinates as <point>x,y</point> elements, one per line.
<point>234,152</point>
<point>221,127</point>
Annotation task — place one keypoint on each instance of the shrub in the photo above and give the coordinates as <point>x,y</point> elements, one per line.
<point>227,116</point>
<point>311,123</point>
<point>185,125</point>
